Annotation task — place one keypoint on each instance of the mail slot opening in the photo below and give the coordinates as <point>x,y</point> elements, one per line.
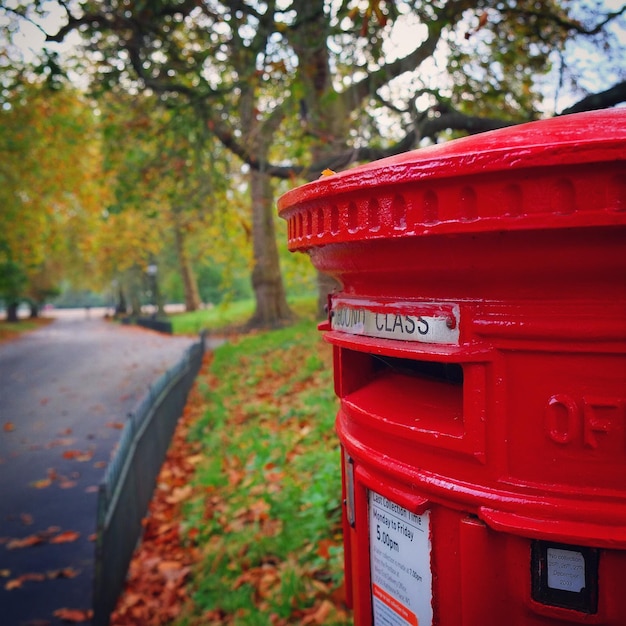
<point>413,396</point>
<point>451,373</point>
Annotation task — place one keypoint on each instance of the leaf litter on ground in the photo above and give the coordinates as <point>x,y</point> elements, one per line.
<point>245,524</point>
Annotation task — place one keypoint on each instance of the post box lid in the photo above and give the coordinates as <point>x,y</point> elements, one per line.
<point>567,171</point>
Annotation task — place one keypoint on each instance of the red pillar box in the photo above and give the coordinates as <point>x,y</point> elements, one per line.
<point>480,358</point>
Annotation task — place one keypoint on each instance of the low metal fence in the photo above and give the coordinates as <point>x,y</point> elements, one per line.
<point>130,478</point>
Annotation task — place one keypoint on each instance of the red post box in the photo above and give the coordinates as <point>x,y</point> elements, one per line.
<point>480,359</point>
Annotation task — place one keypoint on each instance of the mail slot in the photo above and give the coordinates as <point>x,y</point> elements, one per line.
<point>479,341</point>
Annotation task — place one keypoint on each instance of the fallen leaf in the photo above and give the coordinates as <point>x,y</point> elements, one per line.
<point>26,519</point>
<point>25,542</point>
<point>179,494</point>
<point>8,427</point>
<point>318,614</point>
<point>75,616</point>
<point>64,433</point>
<point>78,455</point>
<point>65,537</point>
<point>33,577</point>
<point>100,464</point>
<point>66,441</point>
<point>115,425</point>
<point>16,583</point>
<point>92,489</point>
<point>5,573</point>
<point>41,484</point>
<point>67,484</point>
<point>327,172</point>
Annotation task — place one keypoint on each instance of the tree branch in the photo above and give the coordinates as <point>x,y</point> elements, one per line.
<point>566,22</point>
<point>603,100</point>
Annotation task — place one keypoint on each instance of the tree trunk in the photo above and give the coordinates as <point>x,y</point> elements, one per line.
<point>34,310</point>
<point>12,311</point>
<point>271,309</point>
<point>121,307</point>
<point>190,284</point>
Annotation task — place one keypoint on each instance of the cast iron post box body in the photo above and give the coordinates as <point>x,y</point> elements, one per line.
<point>480,359</point>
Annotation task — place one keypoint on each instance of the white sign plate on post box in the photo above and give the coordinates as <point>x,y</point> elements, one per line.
<point>419,322</point>
<point>400,564</point>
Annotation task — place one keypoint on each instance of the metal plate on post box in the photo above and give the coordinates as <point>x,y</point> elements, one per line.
<point>421,322</point>
<point>400,564</point>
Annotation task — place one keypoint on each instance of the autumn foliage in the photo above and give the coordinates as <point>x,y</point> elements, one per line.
<point>245,524</point>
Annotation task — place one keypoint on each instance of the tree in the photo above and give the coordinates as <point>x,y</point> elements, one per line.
<point>50,189</point>
<point>250,69</point>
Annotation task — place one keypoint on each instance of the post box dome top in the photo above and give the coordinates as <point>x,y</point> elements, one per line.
<point>563,172</point>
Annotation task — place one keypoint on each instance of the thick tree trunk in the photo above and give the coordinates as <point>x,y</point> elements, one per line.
<point>190,284</point>
<point>327,120</point>
<point>271,309</point>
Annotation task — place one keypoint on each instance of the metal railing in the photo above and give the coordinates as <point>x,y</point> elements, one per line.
<point>130,478</point>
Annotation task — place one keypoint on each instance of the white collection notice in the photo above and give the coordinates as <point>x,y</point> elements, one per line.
<point>400,564</point>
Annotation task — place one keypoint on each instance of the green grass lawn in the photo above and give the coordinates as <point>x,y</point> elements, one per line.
<point>266,516</point>
<point>232,314</point>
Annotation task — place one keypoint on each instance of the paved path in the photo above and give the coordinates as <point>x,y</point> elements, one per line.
<point>65,389</point>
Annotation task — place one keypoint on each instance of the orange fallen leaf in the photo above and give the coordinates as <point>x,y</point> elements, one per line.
<point>67,484</point>
<point>32,577</point>
<point>8,427</point>
<point>179,494</point>
<point>323,548</point>
<point>16,583</point>
<point>26,519</point>
<point>115,425</point>
<point>75,616</point>
<point>65,537</point>
<point>78,455</point>
<point>41,484</point>
<point>327,172</point>
<point>25,542</point>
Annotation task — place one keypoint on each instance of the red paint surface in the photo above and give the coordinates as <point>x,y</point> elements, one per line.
<point>524,231</point>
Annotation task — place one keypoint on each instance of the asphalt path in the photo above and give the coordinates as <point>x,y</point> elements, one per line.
<point>65,391</point>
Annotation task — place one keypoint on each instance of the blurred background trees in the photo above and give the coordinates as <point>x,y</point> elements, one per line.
<point>156,134</point>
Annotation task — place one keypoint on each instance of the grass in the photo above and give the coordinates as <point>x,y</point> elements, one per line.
<point>267,512</point>
<point>10,330</point>
<point>231,315</point>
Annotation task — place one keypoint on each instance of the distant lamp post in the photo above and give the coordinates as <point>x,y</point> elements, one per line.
<point>152,272</point>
